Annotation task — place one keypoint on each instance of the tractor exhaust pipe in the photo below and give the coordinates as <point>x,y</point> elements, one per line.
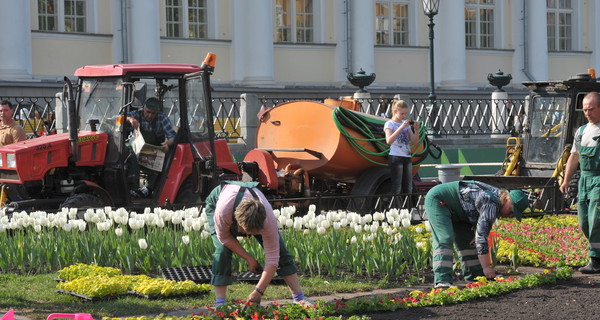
<point>68,93</point>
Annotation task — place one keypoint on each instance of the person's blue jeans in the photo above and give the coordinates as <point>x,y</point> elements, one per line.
<point>401,174</point>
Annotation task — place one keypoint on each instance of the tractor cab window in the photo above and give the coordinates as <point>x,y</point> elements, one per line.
<point>100,100</point>
<point>199,127</point>
<point>163,89</point>
<point>547,124</point>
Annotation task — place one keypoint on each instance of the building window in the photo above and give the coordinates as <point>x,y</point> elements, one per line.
<point>391,23</point>
<point>560,25</point>
<point>62,15</point>
<point>187,19</point>
<point>294,21</point>
<point>479,23</point>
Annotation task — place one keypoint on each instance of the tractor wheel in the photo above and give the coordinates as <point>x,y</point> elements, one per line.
<point>186,193</point>
<point>83,201</point>
<point>373,181</point>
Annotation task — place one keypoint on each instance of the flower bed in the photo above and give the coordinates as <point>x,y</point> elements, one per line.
<point>481,288</point>
<point>549,241</point>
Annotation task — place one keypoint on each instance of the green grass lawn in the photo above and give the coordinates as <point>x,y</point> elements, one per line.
<point>35,297</point>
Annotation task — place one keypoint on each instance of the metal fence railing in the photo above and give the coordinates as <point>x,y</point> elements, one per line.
<point>441,116</point>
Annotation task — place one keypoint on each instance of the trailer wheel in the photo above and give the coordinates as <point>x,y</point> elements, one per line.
<point>82,201</point>
<point>374,181</point>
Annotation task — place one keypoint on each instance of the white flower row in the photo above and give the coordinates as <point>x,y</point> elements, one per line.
<point>192,219</point>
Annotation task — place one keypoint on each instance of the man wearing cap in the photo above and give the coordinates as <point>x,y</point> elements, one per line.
<point>156,129</point>
<point>585,154</point>
<point>463,213</point>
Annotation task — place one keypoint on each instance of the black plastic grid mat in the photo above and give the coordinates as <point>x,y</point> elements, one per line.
<point>198,274</point>
<point>253,277</point>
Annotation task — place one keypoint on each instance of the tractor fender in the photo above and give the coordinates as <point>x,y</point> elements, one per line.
<point>101,192</point>
<point>267,175</point>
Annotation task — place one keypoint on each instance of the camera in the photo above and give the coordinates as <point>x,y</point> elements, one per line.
<point>412,123</point>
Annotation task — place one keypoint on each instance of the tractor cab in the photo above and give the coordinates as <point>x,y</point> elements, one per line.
<point>88,162</point>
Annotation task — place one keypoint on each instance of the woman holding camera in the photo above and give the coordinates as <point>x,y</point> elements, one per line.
<point>399,133</point>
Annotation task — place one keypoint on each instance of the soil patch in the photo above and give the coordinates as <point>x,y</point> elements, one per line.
<point>576,298</point>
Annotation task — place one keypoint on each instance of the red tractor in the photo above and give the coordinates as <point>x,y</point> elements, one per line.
<point>86,166</point>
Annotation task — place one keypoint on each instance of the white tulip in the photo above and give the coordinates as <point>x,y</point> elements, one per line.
<point>405,223</point>
<point>427,226</point>
<point>321,230</point>
<point>374,228</point>
<point>297,224</point>
<point>119,231</point>
<point>358,228</point>
<point>197,225</point>
<point>143,244</point>
<point>353,239</point>
<point>185,239</point>
<point>37,228</point>
<point>67,227</point>
<point>312,208</point>
<point>289,223</point>
<point>418,229</point>
<point>204,234</point>
<point>343,222</point>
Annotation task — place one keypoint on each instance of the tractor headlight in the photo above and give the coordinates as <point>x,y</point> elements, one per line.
<point>11,161</point>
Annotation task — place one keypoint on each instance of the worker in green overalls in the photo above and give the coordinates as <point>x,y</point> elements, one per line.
<point>584,153</point>
<point>462,213</point>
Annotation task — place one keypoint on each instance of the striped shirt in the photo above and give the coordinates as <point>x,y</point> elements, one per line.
<point>164,129</point>
<point>480,202</point>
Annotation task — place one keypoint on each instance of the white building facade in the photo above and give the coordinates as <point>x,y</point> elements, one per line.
<point>295,45</point>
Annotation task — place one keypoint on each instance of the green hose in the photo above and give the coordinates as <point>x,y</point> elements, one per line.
<point>372,130</point>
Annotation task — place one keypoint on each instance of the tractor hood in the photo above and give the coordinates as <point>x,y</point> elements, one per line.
<point>31,159</point>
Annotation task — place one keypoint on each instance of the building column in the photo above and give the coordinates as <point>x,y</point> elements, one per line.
<point>143,31</point>
<point>252,42</point>
<point>362,36</point>
<point>341,22</point>
<point>15,51</point>
<point>536,40</point>
<point>518,31</point>
<point>449,45</point>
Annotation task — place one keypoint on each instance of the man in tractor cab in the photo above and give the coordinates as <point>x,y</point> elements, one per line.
<point>156,128</point>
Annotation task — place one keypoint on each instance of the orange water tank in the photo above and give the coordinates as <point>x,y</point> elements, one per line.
<point>304,133</point>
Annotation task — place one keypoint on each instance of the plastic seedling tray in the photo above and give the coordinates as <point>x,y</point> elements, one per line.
<point>198,274</point>
<point>253,277</point>
<point>160,296</point>
<point>87,298</point>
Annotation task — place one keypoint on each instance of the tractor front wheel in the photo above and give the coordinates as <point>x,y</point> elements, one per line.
<point>82,201</point>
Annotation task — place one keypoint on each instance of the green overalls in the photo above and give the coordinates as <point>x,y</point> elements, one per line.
<point>221,268</point>
<point>589,195</point>
<point>449,226</point>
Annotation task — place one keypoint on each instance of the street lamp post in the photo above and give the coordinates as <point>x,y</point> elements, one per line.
<point>430,8</point>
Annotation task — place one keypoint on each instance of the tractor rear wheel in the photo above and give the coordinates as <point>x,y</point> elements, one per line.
<point>186,193</point>
<point>82,201</point>
<point>374,181</point>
